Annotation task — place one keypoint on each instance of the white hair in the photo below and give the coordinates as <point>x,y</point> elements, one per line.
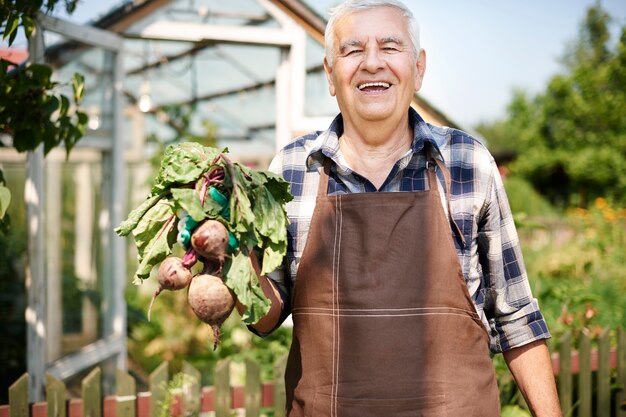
<point>353,6</point>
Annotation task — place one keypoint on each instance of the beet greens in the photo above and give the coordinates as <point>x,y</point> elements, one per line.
<point>255,216</point>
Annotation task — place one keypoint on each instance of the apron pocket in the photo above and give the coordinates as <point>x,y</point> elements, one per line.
<point>424,406</point>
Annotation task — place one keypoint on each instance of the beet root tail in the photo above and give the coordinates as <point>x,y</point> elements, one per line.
<point>216,335</point>
<point>156,294</point>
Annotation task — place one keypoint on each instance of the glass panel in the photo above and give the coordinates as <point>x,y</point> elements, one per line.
<point>96,65</point>
<point>318,101</point>
<point>216,12</point>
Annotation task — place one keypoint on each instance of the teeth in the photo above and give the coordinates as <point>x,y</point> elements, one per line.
<point>384,85</point>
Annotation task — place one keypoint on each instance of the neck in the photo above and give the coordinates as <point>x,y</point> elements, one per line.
<point>372,151</point>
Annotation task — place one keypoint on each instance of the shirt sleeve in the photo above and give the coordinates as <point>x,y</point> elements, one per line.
<point>513,314</point>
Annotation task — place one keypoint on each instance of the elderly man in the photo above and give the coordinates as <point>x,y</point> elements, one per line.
<point>404,266</point>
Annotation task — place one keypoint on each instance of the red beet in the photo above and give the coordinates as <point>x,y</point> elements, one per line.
<point>210,241</point>
<point>173,275</point>
<point>211,301</point>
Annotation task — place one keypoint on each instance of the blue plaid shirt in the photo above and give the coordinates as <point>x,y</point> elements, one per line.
<point>492,259</point>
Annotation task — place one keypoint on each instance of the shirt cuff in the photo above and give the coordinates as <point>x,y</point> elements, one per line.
<point>519,331</point>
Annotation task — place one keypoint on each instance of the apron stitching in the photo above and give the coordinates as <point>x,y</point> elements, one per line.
<point>386,309</point>
<point>335,315</point>
<point>336,250</point>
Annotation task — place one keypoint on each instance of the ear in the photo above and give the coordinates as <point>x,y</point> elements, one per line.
<point>329,77</point>
<point>421,69</point>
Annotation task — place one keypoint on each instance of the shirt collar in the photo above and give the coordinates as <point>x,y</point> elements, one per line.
<point>327,143</point>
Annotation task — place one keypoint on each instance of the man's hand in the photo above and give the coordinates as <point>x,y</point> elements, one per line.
<point>532,369</point>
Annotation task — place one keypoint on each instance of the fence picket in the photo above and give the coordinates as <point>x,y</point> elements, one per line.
<point>126,391</point>
<point>253,389</point>
<point>158,387</point>
<point>565,374</point>
<point>604,375</point>
<point>222,388</point>
<point>191,390</point>
<point>620,398</point>
<point>584,376</point>
<point>279,386</point>
<point>18,397</point>
<point>92,394</point>
<point>55,397</point>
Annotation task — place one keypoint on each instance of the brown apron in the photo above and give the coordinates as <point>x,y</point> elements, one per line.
<point>383,322</point>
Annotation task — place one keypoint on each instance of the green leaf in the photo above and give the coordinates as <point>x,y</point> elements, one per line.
<point>11,27</point>
<point>189,200</point>
<point>65,105</point>
<point>5,200</point>
<point>136,215</point>
<point>78,87</point>
<point>183,164</point>
<point>51,106</point>
<point>242,280</point>
<point>154,235</point>
<point>274,221</point>
<point>29,25</point>
<point>273,256</point>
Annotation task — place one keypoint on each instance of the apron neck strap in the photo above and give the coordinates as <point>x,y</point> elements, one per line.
<point>322,188</point>
<point>431,162</point>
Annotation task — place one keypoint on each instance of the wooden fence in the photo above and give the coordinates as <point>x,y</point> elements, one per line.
<point>591,382</point>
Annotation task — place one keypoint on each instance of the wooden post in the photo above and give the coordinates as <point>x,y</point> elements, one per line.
<point>565,374</point>
<point>54,316</point>
<point>18,397</point>
<point>55,397</point>
<point>221,382</point>
<point>92,394</point>
<point>604,376</point>
<point>83,247</point>
<point>620,398</point>
<point>34,194</point>
<point>253,389</point>
<point>158,387</point>
<point>192,383</point>
<point>125,390</point>
<point>279,386</point>
<point>584,376</point>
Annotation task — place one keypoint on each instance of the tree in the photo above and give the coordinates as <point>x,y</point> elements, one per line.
<point>571,138</point>
<point>32,111</point>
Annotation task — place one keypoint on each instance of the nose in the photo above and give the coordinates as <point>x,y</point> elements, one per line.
<point>372,60</point>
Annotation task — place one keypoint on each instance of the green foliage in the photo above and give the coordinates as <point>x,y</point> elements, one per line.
<point>16,13</point>
<point>32,112</point>
<point>31,109</point>
<point>527,205</point>
<point>576,267</point>
<point>571,138</point>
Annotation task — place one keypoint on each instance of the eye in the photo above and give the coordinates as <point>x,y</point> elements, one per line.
<point>390,49</point>
<point>353,52</point>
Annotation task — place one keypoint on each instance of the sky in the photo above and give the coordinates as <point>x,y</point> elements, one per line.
<point>478,51</point>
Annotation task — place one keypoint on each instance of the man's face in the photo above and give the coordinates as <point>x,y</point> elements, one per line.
<point>375,72</point>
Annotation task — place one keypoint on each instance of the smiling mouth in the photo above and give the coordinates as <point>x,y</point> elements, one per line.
<point>373,86</point>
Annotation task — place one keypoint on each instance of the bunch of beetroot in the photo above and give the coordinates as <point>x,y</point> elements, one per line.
<point>234,211</point>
